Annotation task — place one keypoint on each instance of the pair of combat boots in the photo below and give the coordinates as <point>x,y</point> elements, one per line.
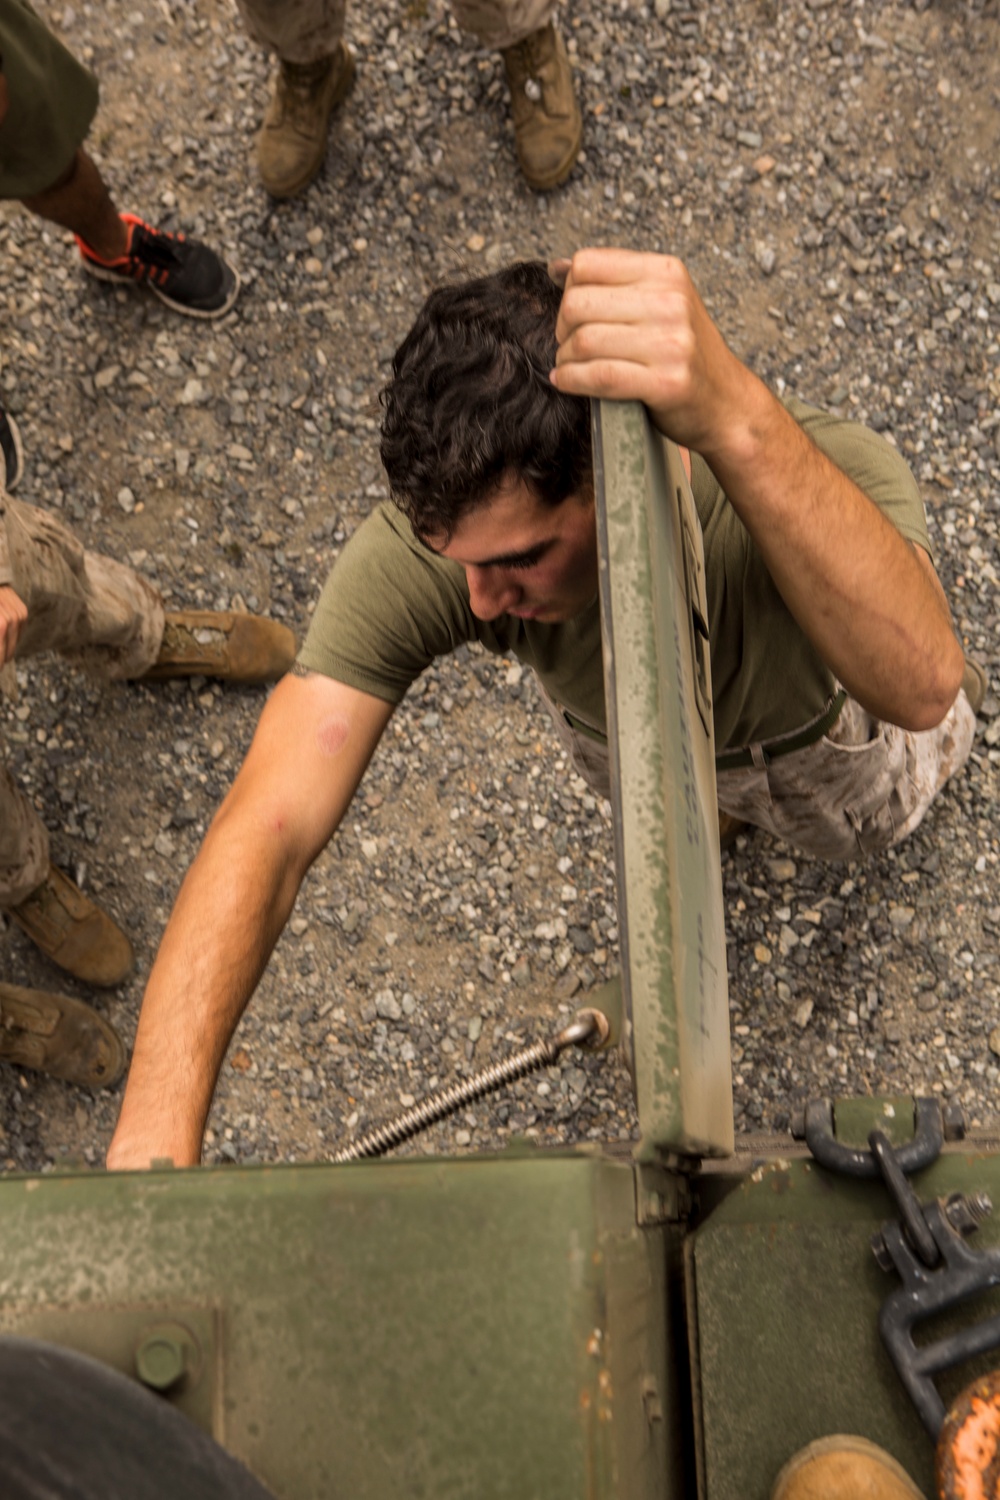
<point>547,124</point>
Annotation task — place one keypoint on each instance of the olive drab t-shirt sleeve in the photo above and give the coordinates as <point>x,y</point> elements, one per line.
<point>389,607</point>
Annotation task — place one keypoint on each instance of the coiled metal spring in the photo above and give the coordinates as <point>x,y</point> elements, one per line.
<point>589,1028</point>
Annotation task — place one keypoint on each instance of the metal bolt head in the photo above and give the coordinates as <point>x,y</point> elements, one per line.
<point>966,1211</point>
<point>166,1353</point>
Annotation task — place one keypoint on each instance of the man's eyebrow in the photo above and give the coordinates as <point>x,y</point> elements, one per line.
<point>516,559</point>
<point>504,559</point>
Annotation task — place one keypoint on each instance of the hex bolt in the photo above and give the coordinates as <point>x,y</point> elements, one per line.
<point>966,1211</point>
<point>162,1356</point>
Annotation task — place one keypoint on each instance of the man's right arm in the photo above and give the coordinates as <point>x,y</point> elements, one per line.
<point>312,745</point>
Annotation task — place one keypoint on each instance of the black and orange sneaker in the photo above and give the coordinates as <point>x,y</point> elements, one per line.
<point>183,273</point>
<point>10,450</point>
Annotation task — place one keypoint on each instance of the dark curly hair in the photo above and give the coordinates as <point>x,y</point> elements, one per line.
<point>470,403</point>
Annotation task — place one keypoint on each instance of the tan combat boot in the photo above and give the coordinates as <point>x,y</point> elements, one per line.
<point>548,127</point>
<point>844,1468</point>
<point>235,647</point>
<point>73,931</point>
<point>292,140</point>
<point>974,682</point>
<point>59,1036</point>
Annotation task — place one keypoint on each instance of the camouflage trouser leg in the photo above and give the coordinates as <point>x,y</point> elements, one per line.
<point>96,612</point>
<point>856,791</point>
<point>500,23</point>
<point>588,755</point>
<point>303,31</point>
<point>99,615</point>
<point>298,31</point>
<point>24,844</point>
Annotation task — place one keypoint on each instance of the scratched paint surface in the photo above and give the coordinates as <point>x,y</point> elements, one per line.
<point>475,1328</point>
<point>668,858</point>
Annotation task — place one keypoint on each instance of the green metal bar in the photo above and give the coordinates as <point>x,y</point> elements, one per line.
<point>658,685</point>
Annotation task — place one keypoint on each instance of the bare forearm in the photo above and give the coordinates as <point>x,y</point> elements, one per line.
<point>230,911</point>
<point>873,610</point>
<point>313,742</point>
<point>632,326</point>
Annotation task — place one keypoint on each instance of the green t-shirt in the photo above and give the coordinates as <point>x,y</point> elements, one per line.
<point>390,606</point>
<point>52,99</point>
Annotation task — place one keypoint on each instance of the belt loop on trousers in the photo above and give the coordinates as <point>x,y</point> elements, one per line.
<point>762,755</point>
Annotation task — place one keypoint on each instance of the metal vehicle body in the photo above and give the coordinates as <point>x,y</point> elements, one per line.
<point>586,1324</point>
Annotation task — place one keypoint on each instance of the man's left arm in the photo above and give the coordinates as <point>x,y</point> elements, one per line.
<point>632,326</point>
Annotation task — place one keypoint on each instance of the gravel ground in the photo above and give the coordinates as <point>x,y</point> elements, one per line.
<point>829,173</point>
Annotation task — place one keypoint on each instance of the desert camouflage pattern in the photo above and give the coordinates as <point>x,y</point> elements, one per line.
<point>860,789</point>
<point>303,31</point>
<point>97,613</point>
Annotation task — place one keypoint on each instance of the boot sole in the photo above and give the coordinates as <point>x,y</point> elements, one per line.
<point>283,191</point>
<point>974,684</point>
<point>15,437</point>
<point>558,176</point>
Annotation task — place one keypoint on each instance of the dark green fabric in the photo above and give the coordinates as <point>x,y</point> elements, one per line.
<point>767,679</point>
<point>390,606</point>
<point>51,102</point>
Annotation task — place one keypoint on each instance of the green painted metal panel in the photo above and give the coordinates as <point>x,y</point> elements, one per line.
<point>663,786</point>
<point>786,1344</point>
<point>488,1328</point>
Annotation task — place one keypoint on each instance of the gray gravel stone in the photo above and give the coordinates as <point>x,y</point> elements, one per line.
<point>880,210</point>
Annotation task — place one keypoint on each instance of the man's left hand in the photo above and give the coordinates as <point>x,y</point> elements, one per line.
<point>632,327</point>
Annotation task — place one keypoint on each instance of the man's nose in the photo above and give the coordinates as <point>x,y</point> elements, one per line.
<point>490,594</point>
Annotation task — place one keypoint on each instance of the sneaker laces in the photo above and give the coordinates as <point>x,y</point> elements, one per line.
<point>149,252</point>
<point>154,247</point>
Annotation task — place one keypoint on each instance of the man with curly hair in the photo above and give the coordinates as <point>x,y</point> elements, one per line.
<point>838,681</point>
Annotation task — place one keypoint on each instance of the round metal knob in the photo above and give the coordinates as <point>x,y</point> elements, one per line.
<point>164,1355</point>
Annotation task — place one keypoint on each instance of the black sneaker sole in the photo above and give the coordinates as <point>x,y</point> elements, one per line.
<point>13,452</point>
<point>115,278</point>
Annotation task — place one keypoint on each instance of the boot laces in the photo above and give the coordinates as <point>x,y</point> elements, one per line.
<point>524,52</point>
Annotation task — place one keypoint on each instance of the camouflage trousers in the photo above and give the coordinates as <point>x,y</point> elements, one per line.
<point>861,788</point>
<point>99,615</point>
<point>302,31</point>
